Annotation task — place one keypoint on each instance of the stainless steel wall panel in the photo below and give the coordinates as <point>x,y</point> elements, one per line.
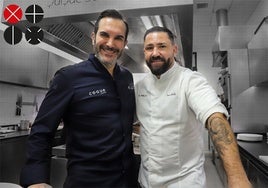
<point>249,103</point>
<point>55,62</point>
<point>239,70</point>
<point>249,111</point>
<point>23,63</point>
<point>258,66</point>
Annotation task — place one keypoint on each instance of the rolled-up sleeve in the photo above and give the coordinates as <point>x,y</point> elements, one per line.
<point>202,98</point>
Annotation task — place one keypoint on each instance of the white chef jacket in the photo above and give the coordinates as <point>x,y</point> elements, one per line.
<point>171,111</point>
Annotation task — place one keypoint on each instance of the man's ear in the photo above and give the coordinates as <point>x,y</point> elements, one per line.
<point>93,38</point>
<point>126,41</point>
<point>175,49</point>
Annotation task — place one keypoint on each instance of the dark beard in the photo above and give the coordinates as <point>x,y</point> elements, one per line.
<point>162,69</point>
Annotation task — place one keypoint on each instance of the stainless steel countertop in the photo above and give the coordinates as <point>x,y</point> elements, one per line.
<point>253,150</point>
<point>14,134</point>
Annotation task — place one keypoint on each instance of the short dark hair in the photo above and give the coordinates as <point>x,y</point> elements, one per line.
<point>171,36</point>
<point>111,13</point>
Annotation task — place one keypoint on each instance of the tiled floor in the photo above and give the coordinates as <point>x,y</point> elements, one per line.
<point>213,179</point>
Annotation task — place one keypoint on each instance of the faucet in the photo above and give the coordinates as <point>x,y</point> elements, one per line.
<point>20,103</point>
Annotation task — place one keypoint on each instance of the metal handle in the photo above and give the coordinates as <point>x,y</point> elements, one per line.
<point>259,26</point>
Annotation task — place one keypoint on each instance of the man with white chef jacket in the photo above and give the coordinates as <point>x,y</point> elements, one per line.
<point>171,102</point>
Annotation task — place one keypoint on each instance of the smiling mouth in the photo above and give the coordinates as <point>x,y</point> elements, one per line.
<point>110,51</point>
<point>156,61</point>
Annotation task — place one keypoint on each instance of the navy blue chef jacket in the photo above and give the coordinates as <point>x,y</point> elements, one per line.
<point>97,110</point>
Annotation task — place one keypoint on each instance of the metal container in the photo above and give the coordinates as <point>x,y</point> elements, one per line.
<point>24,125</point>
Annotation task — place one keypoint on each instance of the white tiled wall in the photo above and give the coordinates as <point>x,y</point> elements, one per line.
<point>8,98</point>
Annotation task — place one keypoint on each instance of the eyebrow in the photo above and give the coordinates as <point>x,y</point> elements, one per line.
<point>158,44</point>
<point>120,36</point>
<point>117,36</point>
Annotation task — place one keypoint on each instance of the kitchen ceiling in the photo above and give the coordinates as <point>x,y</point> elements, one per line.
<point>75,37</point>
<point>203,32</point>
<point>204,23</point>
<point>196,25</point>
<point>68,26</point>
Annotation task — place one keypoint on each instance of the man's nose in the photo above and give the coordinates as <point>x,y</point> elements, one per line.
<point>110,42</point>
<point>155,52</point>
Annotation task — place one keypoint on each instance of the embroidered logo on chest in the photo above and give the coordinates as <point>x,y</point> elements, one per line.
<point>171,94</point>
<point>97,92</point>
<point>131,86</point>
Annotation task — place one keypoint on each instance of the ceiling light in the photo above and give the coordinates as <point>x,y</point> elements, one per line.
<point>93,22</point>
<point>158,20</point>
<point>147,22</point>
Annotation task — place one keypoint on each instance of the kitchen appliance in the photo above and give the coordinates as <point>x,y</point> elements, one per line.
<point>7,130</point>
<point>228,37</point>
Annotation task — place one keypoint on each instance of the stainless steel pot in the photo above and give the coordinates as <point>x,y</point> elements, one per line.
<point>24,125</point>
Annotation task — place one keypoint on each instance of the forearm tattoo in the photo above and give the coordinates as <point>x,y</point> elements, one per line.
<point>220,133</point>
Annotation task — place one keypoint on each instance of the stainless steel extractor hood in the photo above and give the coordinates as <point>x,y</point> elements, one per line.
<point>258,55</point>
<point>229,37</point>
<point>233,37</point>
<point>68,25</point>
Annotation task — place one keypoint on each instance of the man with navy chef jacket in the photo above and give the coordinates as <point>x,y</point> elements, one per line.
<point>95,99</point>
